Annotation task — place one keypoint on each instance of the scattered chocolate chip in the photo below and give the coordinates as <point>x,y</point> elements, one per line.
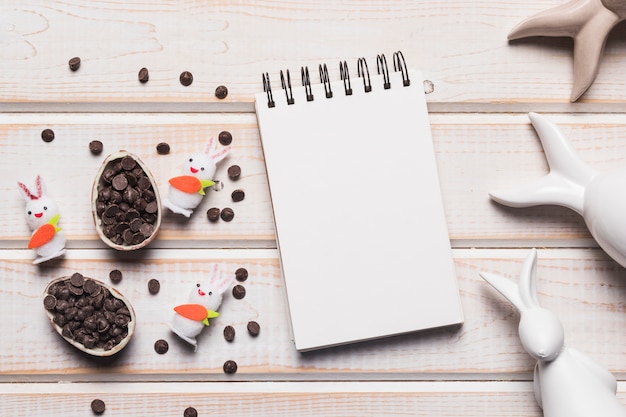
<point>115,275</point>
<point>230,367</point>
<point>254,328</point>
<point>227,214</point>
<point>234,171</point>
<point>154,286</point>
<point>49,302</point>
<point>213,214</point>
<point>190,412</point>
<point>95,147</point>
<point>163,148</point>
<point>98,406</point>
<point>229,333</point>
<point>225,138</point>
<point>221,92</point>
<point>143,75</point>
<point>74,63</point>
<point>218,186</point>
<point>238,195</point>
<point>241,274</point>
<point>186,78</point>
<point>161,346</point>
<point>239,291</point>
<point>47,135</point>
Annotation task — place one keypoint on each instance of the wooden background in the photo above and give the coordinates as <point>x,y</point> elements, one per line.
<point>480,88</point>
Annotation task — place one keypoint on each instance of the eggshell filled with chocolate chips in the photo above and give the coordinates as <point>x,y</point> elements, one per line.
<point>89,315</point>
<point>126,205</point>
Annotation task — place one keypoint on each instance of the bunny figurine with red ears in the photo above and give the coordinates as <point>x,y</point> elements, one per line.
<point>566,382</point>
<point>42,216</point>
<point>186,191</point>
<point>204,301</point>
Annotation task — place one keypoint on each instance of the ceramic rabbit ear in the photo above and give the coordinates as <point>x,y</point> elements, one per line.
<point>506,287</point>
<point>528,280</point>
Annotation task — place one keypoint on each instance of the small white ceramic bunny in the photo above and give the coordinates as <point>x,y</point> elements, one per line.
<point>190,319</point>
<point>186,191</point>
<point>598,197</point>
<point>42,216</point>
<point>566,382</point>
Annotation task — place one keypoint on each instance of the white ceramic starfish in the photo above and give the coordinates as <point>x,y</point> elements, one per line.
<point>598,197</point>
<point>588,22</point>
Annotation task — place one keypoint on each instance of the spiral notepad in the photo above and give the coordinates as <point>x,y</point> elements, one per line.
<point>360,225</point>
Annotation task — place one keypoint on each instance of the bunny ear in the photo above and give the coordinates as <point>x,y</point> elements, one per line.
<point>528,280</point>
<point>220,282</point>
<point>219,155</point>
<point>40,185</point>
<point>507,288</point>
<point>25,192</point>
<point>210,146</point>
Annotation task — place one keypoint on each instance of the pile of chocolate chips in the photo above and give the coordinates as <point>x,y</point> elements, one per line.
<point>87,312</point>
<point>126,202</point>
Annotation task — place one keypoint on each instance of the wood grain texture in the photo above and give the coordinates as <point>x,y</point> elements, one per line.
<point>460,46</point>
<point>584,288</point>
<point>475,154</point>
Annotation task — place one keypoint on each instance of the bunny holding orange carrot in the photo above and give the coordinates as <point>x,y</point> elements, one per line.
<point>42,216</point>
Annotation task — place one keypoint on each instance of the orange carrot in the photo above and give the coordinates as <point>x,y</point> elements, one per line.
<point>186,184</point>
<point>195,312</point>
<point>42,236</point>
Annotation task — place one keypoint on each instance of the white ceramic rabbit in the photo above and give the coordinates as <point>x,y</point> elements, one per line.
<point>190,319</point>
<point>186,191</point>
<point>566,382</point>
<point>598,197</point>
<point>42,216</point>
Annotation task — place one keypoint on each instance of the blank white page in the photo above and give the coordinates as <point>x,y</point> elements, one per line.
<point>359,219</point>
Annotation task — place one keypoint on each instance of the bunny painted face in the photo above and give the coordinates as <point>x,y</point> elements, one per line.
<point>201,166</point>
<point>205,296</point>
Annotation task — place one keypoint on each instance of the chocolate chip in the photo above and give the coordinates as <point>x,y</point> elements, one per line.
<point>227,214</point>
<point>213,214</point>
<point>186,78</point>
<point>241,274</point>
<point>47,135</point>
<point>234,171</point>
<point>254,328</point>
<point>143,75</point>
<point>154,286</point>
<point>230,367</point>
<point>239,291</point>
<point>49,302</point>
<point>128,163</point>
<point>225,138</point>
<point>77,279</point>
<point>221,92</point>
<point>95,147</point>
<point>163,148</point>
<point>151,207</point>
<point>190,412</point>
<point>91,288</point>
<point>238,195</point>
<point>229,333</point>
<point>115,276</point>
<point>120,182</point>
<point>74,63</point>
<point>98,406</point>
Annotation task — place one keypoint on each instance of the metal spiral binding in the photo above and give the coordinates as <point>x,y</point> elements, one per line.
<point>268,90</point>
<point>364,72</point>
<point>325,79</point>
<point>306,83</point>
<point>381,66</point>
<point>345,77</point>
<point>287,87</point>
<point>399,64</point>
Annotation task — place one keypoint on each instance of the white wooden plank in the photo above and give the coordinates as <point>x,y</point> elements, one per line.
<point>583,287</point>
<point>460,46</point>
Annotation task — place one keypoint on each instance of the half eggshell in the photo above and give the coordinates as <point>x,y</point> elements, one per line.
<point>126,205</point>
<point>89,315</point>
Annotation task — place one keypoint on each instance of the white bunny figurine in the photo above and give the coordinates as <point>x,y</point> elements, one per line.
<point>42,216</point>
<point>598,197</point>
<point>566,382</point>
<point>186,191</point>
<point>189,319</point>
